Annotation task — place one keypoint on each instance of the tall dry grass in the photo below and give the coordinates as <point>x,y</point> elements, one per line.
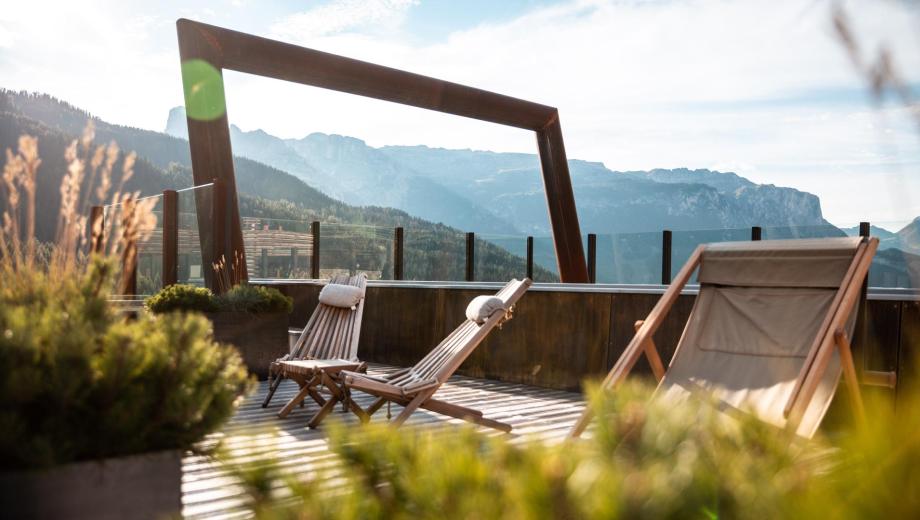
<point>88,181</point>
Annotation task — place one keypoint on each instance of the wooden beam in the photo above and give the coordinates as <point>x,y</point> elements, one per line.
<point>398,238</point>
<point>205,51</point>
<point>314,259</point>
<point>666,240</point>
<point>170,238</point>
<point>592,258</point>
<point>470,257</point>
<point>216,228</point>
<point>529,265</point>
<point>560,200</point>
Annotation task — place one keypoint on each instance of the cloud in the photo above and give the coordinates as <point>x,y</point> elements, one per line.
<point>696,83</point>
<point>340,16</point>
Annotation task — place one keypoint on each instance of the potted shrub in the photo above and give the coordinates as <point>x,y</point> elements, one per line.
<point>95,410</point>
<point>252,318</point>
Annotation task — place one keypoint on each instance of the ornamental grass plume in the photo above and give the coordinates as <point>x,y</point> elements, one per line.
<point>78,381</point>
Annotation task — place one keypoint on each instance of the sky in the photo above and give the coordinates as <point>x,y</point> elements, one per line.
<point>761,88</point>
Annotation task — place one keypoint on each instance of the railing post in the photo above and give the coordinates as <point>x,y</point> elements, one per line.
<point>592,258</point>
<point>170,238</point>
<point>530,257</point>
<point>470,256</point>
<point>97,229</point>
<point>666,238</point>
<point>314,257</point>
<point>263,263</point>
<point>756,233</point>
<point>862,329</point>
<point>293,260</point>
<point>218,235</point>
<point>398,254</point>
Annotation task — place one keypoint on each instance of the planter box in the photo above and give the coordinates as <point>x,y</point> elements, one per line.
<point>260,338</point>
<point>134,487</point>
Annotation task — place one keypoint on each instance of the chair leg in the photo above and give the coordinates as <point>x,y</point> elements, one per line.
<point>272,387</point>
<point>372,409</point>
<point>322,413</point>
<point>305,388</point>
<point>462,412</point>
<point>410,408</point>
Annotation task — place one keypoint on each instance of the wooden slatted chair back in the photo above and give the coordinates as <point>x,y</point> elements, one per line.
<point>333,332</point>
<point>439,364</point>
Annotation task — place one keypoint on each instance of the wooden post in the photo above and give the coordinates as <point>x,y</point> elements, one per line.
<point>861,331</point>
<point>170,237</point>
<point>398,254</point>
<point>666,238</point>
<point>592,258</point>
<point>263,263</point>
<point>97,229</point>
<point>470,257</point>
<point>314,259</point>
<point>530,257</point>
<point>130,287</point>
<point>218,234</point>
<point>293,260</point>
<point>756,233</point>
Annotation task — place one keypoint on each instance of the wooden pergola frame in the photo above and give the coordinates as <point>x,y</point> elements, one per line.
<point>209,138</point>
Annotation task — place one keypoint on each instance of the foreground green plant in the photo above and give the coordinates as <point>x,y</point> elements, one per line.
<point>644,459</point>
<point>77,381</point>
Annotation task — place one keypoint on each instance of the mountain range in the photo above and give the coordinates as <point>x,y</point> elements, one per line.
<point>502,193</point>
<point>437,193</point>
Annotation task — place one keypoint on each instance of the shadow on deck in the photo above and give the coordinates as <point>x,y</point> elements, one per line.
<point>255,432</point>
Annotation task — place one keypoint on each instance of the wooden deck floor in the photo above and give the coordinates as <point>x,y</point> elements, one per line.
<point>256,432</point>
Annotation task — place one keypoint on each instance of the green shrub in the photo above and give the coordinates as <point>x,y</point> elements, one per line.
<point>241,298</point>
<point>79,383</point>
<point>254,299</point>
<point>182,297</point>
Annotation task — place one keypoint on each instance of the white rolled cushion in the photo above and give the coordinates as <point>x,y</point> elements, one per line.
<point>338,295</point>
<point>482,307</point>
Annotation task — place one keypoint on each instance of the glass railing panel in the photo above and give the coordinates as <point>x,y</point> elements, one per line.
<point>629,258</point>
<point>278,248</point>
<point>434,255</point>
<point>192,203</point>
<point>499,258</point>
<point>545,268</point>
<point>149,248</point>
<point>683,243</point>
<point>352,249</point>
<point>787,232</point>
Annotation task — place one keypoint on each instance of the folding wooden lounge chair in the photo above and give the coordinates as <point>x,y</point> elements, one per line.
<point>768,333</point>
<point>414,387</point>
<point>327,345</point>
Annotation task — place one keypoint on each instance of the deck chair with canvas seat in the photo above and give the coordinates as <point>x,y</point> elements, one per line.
<point>769,331</point>
<point>415,387</point>
<point>327,345</point>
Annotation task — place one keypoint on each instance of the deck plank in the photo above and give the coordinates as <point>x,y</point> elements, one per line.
<point>209,491</point>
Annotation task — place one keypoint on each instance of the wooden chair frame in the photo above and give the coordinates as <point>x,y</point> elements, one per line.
<point>406,388</point>
<point>830,335</point>
<point>330,348</point>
